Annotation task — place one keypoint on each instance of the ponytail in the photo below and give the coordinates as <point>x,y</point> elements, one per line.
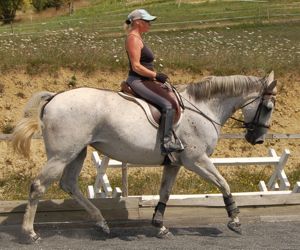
<point>127,25</point>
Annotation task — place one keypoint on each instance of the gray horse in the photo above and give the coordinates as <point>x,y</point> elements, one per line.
<point>72,120</point>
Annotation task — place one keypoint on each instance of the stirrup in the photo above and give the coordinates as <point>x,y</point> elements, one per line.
<point>170,147</point>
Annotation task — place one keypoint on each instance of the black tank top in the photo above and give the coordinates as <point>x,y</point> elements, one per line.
<point>147,58</point>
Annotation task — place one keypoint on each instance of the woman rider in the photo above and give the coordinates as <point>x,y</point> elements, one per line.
<point>141,68</point>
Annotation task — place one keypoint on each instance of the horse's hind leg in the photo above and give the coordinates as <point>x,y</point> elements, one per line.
<point>51,172</point>
<point>167,182</point>
<point>69,183</point>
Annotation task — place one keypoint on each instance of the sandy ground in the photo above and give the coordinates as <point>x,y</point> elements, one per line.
<point>16,87</point>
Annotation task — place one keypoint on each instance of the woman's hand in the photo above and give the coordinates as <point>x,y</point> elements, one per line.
<point>161,77</point>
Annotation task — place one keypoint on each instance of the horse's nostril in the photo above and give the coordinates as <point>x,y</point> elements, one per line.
<point>259,142</point>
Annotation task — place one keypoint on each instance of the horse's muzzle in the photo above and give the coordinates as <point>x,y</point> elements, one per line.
<point>256,136</point>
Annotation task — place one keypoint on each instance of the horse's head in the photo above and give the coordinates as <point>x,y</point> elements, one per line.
<point>258,112</point>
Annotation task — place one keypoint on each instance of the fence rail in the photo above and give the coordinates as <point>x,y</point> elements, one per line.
<point>7,137</point>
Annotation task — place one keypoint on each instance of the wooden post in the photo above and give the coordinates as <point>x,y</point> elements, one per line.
<point>179,3</point>
<point>71,7</point>
<point>11,26</point>
<point>297,187</point>
<point>124,180</point>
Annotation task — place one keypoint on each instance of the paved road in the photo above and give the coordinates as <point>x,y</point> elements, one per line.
<point>261,235</point>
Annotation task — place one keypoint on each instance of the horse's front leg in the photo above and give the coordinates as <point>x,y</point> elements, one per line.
<point>167,182</point>
<point>206,169</point>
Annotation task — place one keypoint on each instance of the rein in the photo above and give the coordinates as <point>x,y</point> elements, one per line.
<point>198,111</point>
<point>248,125</point>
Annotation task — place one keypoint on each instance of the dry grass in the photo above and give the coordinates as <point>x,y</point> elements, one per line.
<point>147,182</point>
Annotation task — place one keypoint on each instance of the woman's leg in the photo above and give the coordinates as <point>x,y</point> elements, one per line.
<point>149,95</point>
<point>166,124</point>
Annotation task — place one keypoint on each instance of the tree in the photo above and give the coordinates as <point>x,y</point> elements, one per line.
<point>8,9</point>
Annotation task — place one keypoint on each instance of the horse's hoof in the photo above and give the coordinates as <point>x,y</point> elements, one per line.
<point>103,227</point>
<point>157,223</point>
<point>235,227</point>
<point>157,220</point>
<point>164,233</point>
<point>31,239</point>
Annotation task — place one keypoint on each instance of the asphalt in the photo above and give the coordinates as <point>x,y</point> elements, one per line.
<point>272,234</point>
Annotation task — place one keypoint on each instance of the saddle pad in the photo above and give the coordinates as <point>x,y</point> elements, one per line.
<point>144,105</point>
<point>148,109</point>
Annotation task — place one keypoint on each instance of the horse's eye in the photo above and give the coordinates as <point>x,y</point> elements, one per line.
<point>269,105</point>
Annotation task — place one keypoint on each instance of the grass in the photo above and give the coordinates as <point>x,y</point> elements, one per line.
<point>16,187</point>
<point>190,36</point>
<point>100,15</point>
<point>224,50</point>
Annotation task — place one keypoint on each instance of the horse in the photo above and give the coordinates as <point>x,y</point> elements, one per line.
<point>72,120</point>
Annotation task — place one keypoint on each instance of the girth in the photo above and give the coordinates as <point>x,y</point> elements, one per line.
<point>152,112</point>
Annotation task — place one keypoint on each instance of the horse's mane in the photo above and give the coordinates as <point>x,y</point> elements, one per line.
<point>224,85</point>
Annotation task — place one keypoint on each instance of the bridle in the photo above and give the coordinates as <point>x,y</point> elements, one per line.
<point>255,123</point>
<point>251,126</point>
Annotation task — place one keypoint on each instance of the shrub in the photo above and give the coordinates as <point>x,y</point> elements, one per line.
<point>21,95</point>
<point>73,82</point>
<point>1,88</point>
<point>7,128</point>
<point>54,3</point>
<point>40,5</point>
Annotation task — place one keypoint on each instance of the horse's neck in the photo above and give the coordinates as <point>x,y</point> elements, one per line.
<point>225,107</point>
<point>219,108</point>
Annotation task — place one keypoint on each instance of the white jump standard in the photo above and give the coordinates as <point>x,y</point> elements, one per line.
<point>102,187</point>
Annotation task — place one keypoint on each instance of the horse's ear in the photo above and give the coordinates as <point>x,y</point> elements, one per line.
<point>270,77</point>
<point>272,87</point>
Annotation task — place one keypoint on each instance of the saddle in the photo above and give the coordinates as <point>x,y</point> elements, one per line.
<point>153,113</point>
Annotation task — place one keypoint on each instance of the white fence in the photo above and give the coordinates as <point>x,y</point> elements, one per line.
<point>278,181</point>
<point>7,137</point>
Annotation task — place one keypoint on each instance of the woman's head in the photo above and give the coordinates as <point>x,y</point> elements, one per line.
<point>140,19</point>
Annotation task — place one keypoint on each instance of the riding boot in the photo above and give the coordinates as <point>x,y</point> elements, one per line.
<point>168,146</point>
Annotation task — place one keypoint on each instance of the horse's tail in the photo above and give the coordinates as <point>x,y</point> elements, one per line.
<point>30,123</point>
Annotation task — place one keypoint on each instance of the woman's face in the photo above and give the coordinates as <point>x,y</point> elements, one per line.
<point>143,25</point>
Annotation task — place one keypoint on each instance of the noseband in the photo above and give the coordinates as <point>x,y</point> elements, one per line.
<point>254,124</point>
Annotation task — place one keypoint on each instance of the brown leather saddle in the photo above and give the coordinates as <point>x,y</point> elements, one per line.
<point>163,91</point>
